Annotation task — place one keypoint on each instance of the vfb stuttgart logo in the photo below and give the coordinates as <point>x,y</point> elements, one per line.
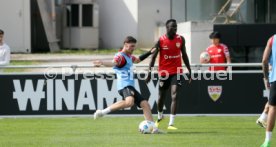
<point>214,92</point>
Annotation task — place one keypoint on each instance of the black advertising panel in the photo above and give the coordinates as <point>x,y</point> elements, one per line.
<point>245,34</point>
<point>240,93</point>
<point>229,34</point>
<point>255,35</point>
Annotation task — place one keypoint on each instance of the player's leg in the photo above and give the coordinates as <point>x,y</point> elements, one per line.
<point>148,115</point>
<point>271,114</point>
<point>270,125</point>
<point>266,109</point>
<point>146,110</point>
<point>174,87</point>
<point>261,121</point>
<point>174,99</point>
<point>160,103</point>
<point>163,90</point>
<point>128,95</point>
<point>128,102</point>
<point>173,103</point>
<point>141,102</point>
<point>173,106</point>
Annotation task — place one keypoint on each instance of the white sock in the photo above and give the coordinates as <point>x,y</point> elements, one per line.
<point>263,116</point>
<point>160,115</point>
<point>106,110</point>
<point>171,120</point>
<point>268,136</point>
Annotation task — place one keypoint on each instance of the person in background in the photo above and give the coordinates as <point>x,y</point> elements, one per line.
<point>218,52</point>
<point>269,58</point>
<point>4,50</point>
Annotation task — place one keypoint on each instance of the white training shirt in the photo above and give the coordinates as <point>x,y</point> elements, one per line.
<point>4,54</point>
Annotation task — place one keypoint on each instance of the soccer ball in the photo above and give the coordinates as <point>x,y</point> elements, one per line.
<point>204,57</point>
<point>146,127</point>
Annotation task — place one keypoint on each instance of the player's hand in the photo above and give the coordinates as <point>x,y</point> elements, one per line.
<point>148,78</point>
<point>267,84</point>
<point>229,68</point>
<point>181,80</point>
<point>98,63</point>
<point>203,61</point>
<point>189,77</point>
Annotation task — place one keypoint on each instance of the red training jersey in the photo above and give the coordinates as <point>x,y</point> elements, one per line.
<point>170,62</point>
<point>218,54</point>
<point>120,59</point>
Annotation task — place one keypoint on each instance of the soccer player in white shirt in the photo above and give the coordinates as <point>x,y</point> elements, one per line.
<point>4,50</point>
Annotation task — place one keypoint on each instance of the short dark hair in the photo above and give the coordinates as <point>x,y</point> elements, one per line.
<point>215,35</point>
<point>170,20</point>
<point>130,39</point>
<point>1,32</point>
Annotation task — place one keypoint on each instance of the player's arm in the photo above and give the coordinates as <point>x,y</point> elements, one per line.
<point>152,61</point>
<point>265,65</point>
<point>227,55</point>
<point>154,55</point>
<point>144,56</point>
<point>99,63</point>
<point>228,60</point>
<point>185,57</point>
<point>118,60</point>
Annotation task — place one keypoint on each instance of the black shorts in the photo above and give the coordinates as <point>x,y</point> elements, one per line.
<point>165,83</point>
<point>131,91</point>
<point>272,94</point>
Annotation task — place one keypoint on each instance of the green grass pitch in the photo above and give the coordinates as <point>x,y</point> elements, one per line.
<point>122,131</point>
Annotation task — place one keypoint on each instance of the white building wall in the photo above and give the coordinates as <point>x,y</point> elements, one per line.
<point>179,11</point>
<point>118,19</point>
<point>15,21</point>
<point>82,36</point>
<point>151,15</point>
<point>199,39</point>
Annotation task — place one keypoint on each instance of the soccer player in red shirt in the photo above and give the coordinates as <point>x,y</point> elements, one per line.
<point>172,50</point>
<point>218,52</point>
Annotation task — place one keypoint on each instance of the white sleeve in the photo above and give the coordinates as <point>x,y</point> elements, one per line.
<point>226,51</point>
<point>6,56</point>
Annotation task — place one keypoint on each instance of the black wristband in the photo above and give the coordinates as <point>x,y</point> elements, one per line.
<point>144,56</point>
